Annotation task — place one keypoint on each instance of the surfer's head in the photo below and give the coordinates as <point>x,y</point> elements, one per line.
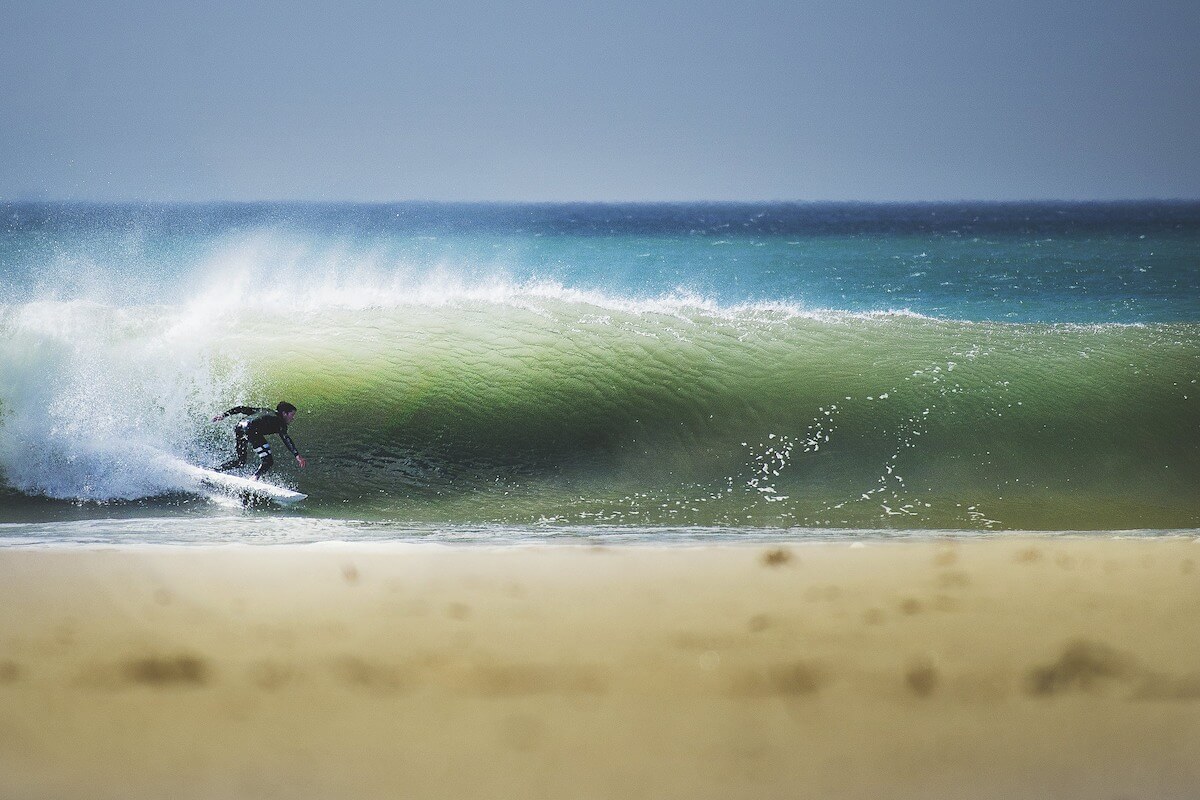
<point>286,410</point>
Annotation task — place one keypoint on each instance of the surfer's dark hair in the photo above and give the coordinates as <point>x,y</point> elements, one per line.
<point>285,407</point>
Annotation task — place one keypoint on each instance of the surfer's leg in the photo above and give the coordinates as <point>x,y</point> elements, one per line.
<point>240,459</point>
<point>264,455</point>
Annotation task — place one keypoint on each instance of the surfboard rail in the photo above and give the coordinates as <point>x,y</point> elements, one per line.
<point>233,484</point>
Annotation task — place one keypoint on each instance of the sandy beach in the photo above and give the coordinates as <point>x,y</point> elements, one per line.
<point>1012,667</point>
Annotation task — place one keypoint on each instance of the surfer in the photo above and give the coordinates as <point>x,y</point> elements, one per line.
<point>259,423</point>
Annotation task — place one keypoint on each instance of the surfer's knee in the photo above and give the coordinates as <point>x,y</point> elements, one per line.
<point>265,457</point>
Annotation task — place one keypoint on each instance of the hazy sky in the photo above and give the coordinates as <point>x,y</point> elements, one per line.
<point>571,100</point>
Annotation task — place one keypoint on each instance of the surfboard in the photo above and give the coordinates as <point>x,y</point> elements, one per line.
<point>234,484</point>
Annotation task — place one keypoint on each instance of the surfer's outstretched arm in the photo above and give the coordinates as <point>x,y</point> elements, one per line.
<point>287,440</point>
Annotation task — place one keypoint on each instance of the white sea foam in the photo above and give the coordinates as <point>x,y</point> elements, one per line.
<point>87,389</point>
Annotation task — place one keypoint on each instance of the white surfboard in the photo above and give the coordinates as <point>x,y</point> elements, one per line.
<point>234,484</point>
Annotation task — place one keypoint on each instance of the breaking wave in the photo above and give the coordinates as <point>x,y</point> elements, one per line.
<point>507,401</point>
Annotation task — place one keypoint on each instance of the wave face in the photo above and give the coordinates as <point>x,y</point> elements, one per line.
<point>527,404</point>
<point>430,392</point>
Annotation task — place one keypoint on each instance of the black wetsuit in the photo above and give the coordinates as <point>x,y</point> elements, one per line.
<point>259,423</point>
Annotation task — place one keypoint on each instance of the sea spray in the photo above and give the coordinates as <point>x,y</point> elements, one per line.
<point>88,390</point>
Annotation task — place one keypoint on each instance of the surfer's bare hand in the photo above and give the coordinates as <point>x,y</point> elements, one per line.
<point>302,461</point>
<point>218,417</point>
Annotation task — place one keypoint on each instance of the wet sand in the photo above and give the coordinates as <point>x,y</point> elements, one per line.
<point>1033,668</point>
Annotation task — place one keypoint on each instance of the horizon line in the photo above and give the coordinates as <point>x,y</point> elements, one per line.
<point>562,202</point>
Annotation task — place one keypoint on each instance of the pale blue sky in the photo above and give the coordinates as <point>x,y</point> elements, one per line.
<point>647,100</point>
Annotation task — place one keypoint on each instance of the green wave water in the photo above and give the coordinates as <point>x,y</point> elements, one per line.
<point>758,417</point>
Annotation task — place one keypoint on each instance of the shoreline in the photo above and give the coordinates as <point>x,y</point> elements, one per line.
<point>1010,665</point>
<point>289,531</point>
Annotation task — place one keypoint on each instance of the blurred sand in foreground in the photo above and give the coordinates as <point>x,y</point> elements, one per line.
<point>1011,667</point>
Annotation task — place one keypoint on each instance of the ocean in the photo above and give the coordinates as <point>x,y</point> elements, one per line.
<point>603,372</point>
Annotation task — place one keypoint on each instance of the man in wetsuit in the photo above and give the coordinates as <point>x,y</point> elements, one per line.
<point>259,423</point>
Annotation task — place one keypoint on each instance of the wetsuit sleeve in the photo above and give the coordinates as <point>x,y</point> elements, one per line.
<point>244,410</point>
<point>287,440</point>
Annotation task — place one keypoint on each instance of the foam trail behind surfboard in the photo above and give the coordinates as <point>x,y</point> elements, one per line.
<point>230,484</point>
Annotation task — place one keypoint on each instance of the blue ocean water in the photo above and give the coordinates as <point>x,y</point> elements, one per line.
<point>498,371</point>
<point>1003,262</point>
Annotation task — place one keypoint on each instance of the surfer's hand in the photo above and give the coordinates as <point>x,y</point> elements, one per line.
<point>302,461</point>
<point>218,417</point>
